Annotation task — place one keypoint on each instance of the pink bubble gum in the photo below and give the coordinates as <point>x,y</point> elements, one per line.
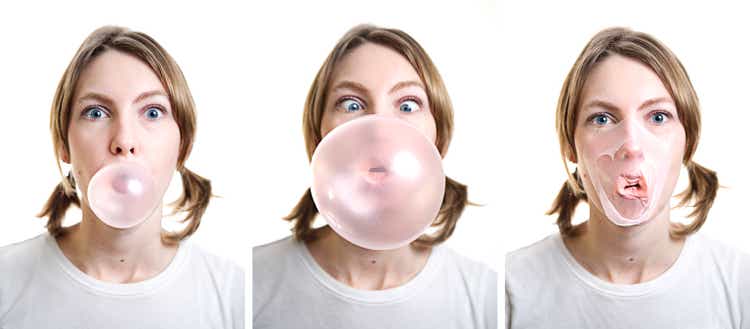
<point>122,194</point>
<point>378,182</point>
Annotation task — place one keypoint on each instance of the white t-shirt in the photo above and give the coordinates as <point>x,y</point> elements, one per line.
<point>707,287</point>
<point>290,290</point>
<point>41,288</point>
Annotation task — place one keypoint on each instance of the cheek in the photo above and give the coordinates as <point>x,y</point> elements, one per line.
<point>330,121</point>
<point>675,154</point>
<point>85,140</point>
<point>588,187</point>
<point>431,130</point>
<point>594,143</point>
<point>583,157</point>
<point>168,148</point>
<point>426,124</point>
<point>161,150</point>
<point>86,153</point>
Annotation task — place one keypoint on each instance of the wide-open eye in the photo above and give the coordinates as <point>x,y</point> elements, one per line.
<point>95,113</point>
<point>350,105</point>
<point>154,112</point>
<point>659,117</point>
<point>409,106</point>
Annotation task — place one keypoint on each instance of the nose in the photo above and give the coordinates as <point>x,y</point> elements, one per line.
<point>124,141</point>
<point>631,149</point>
<point>384,108</point>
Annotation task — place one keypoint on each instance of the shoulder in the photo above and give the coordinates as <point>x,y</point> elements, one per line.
<point>281,281</point>
<point>468,268</point>
<point>274,253</point>
<point>535,258</point>
<point>478,279</point>
<point>19,263</point>
<point>722,268</point>
<point>536,268</point>
<point>18,259</point>
<point>275,262</point>
<point>714,248</point>
<point>223,276</point>
<point>731,263</point>
<point>22,252</point>
<point>225,273</point>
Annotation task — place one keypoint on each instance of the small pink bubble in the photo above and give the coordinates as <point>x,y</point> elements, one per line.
<point>122,194</point>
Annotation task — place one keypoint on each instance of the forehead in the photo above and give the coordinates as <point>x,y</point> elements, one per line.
<point>622,81</point>
<point>117,74</point>
<point>374,66</point>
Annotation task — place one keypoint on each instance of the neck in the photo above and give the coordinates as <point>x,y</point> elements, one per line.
<point>625,255</point>
<point>363,268</point>
<point>117,255</point>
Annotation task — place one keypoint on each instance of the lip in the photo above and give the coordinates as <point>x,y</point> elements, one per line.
<point>376,174</point>
<point>632,187</point>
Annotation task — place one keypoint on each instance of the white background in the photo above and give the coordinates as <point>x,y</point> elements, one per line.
<point>250,66</point>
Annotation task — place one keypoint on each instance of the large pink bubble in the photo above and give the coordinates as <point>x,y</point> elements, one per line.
<point>378,182</point>
<point>122,194</point>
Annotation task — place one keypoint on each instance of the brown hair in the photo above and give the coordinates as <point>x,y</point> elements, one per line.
<point>196,189</point>
<point>455,197</point>
<point>703,182</point>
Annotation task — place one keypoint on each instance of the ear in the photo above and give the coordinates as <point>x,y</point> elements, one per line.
<point>64,155</point>
<point>571,156</point>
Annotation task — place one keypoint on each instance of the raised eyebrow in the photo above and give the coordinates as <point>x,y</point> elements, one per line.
<point>656,100</point>
<point>346,84</point>
<point>603,104</point>
<point>405,84</point>
<point>101,98</point>
<point>148,94</point>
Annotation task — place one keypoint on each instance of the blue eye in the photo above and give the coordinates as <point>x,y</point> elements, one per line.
<point>94,113</point>
<point>154,113</point>
<point>351,105</point>
<point>659,118</point>
<point>600,119</point>
<point>409,106</point>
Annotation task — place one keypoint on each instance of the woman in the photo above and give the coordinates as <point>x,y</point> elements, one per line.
<point>122,99</point>
<point>316,278</point>
<point>628,118</point>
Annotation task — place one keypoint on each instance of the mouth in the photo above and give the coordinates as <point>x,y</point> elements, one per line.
<point>632,187</point>
<point>376,174</point>
<point>377,169</point>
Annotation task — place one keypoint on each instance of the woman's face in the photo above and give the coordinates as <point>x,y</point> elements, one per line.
<point>374,79</point>
<point>121,112</point>
<point>629,141</point>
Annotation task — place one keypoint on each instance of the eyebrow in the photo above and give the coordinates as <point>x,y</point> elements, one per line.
<point>612,107</point>
<point>405,84</point>
<point>655,101</point>
<point>96,97</point>
<point>346,84</point>
<point>358,87</point>
<point>148,94</point>
<point>105,99</point>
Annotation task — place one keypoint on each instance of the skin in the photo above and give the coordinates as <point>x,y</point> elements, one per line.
<point>120,112</point>
<point>373,79</point>
<point>639,253</point>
